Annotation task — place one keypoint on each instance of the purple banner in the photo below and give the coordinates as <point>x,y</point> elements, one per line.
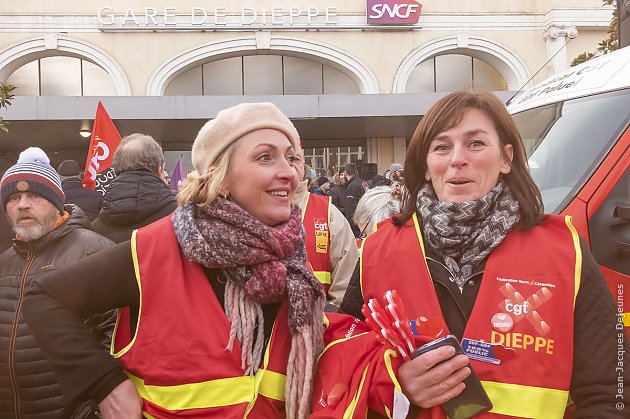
<point>179,174</point>
<point>393,12</point>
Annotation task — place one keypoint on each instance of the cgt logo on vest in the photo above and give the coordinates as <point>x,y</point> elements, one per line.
<point>320,224</point>
<point>393,12</point>
<point>516,308</point>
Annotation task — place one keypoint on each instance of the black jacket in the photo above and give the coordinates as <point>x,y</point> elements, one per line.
<point>112,273</point>
<point>355,189</point>
<point>28,385</point>
<point>134,199</point>
<point>6,233</point>
<point>89,201</point>
<point>337,192</point>
<point>593,385</point>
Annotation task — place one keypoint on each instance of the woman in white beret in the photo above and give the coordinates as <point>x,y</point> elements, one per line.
<point>219,314</point>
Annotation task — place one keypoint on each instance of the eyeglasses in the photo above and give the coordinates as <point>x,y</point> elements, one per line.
<point>363,234</point>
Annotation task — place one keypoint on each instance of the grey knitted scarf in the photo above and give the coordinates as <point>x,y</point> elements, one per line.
<point>261,265</point>
<point>464,233</point>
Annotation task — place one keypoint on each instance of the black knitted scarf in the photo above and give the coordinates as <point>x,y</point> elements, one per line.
<point>464,233</point>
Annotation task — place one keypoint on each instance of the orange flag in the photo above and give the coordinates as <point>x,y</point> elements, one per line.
<point>105,138</point>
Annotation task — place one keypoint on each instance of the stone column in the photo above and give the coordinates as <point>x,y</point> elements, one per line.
<point>371,154</point>
<point>400,150</point>
<point>556,40</point>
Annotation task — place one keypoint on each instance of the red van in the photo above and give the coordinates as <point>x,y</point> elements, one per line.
<point>575,127</point>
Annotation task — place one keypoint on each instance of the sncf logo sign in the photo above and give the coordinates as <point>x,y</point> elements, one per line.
<point>393,11</point>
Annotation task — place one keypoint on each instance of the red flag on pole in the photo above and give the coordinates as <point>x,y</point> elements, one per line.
<point>105,139</point>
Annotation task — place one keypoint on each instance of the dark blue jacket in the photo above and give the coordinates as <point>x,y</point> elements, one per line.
<point>355,189</point>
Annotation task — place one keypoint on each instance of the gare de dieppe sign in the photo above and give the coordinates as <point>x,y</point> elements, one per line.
<point>378,12</point>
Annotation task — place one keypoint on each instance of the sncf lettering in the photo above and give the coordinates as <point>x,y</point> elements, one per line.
<point>402,11</point>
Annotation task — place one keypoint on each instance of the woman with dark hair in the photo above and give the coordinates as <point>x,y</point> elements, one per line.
<point>447,114</point>
<point>473,255</point>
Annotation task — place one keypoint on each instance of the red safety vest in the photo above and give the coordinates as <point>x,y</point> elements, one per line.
<point>355,372</point>
<point>316,220</point>
<point>177,358</point>
<point>531,278</point>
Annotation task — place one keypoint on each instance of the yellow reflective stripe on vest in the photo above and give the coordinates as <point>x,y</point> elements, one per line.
<point>136,269</point>
<point>525,401</point>
<point>578,256</point>
<point>387,356</point>
<point>215,393</point>
<point>271,384</point>
<point>323,277</point>
<point>349,413</point>
<point>267,383</point>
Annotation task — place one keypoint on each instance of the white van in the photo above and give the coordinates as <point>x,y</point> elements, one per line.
<point>575,129</point>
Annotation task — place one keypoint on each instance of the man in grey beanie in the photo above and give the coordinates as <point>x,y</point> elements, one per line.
<point>48,236</point>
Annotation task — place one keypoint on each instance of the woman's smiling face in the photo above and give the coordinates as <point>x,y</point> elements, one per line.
<point>261,178</point>
<point>465,161</point>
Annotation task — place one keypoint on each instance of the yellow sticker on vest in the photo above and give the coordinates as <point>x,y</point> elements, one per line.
<point>321,241</point>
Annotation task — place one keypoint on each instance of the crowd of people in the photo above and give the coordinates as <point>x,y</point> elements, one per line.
<point>243,295</point>
<point>348,188</point>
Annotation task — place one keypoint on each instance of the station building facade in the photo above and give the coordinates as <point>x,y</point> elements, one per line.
<point>355,76</point>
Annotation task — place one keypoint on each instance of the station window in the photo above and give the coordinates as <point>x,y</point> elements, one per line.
<point>328,161</point>
<point>447,73</point>
<point>61,76</point>
<point>262,75</point>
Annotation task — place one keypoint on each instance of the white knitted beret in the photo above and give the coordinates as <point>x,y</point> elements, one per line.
<point>233,123</point>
